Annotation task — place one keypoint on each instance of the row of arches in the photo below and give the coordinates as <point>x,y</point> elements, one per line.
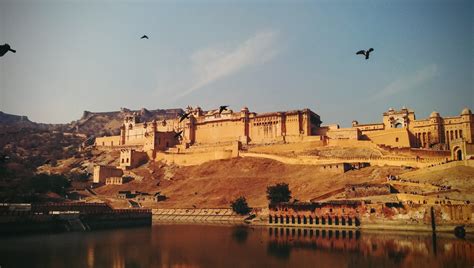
<point>303,220</point>
<point>452,135</point>
<point>423,139</point>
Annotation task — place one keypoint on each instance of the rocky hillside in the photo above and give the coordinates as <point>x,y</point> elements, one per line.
<point>108,123</point>
<point>91,123</point>
<point>11,121</point>
<point>217,183</point>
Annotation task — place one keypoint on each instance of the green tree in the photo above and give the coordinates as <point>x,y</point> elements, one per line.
<point>278,193</point>
<point>240,206</point>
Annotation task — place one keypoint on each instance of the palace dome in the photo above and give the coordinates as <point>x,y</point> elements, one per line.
<point>434,114</point>
<point>466,111</point>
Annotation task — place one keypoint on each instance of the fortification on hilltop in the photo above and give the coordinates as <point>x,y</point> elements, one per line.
<point>212,131</point>
<point>401,129</point>
<point>212,127</point>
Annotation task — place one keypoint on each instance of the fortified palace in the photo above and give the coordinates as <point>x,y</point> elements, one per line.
<point>221,135</point>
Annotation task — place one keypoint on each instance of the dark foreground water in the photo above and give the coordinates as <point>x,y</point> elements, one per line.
<point>234,246</point>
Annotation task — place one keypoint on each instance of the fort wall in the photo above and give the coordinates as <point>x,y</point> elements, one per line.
<point>109,141</point>
<point>196,158</point>
<point>390,137</point>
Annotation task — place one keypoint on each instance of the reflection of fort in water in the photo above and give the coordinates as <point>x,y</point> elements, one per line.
<point>281,240</point>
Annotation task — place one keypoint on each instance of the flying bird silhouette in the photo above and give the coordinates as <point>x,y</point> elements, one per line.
<point>223,108</point>
<point>144,37</point>
<point>178,135</point>
<point>5,48</point>
<point>184,116</point>
<point>365,53</point>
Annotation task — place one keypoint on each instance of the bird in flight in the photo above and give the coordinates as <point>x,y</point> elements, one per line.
<point>178,135</point>
<point>223,108</point>
<point>5,48</point>
<point>184,116</point>
<point>365,53</point>
<point>144,37</point>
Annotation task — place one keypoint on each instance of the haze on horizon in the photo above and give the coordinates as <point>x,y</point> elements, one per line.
<point>269,56</point>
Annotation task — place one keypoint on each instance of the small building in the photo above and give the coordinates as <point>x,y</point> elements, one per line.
<point>125,195</point>
<point>130,158</point>
<point>101,173</point>
<point>336,168</point>
<point>146,197</point>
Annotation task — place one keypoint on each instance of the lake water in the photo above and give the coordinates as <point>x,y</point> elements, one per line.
<point>235,246</point>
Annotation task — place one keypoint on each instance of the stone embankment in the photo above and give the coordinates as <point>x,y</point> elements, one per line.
<point>197,215</point>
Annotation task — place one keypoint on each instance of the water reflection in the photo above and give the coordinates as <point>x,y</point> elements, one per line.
<point>241,246</point>
<point>389,248</point>
<point>240,233</point>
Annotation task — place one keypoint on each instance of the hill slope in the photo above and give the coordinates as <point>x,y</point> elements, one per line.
<point>217,183</point>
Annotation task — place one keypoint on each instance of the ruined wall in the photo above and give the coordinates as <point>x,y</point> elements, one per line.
<point>337,168</point>
<point>109,141</point>
<point>363,190</point>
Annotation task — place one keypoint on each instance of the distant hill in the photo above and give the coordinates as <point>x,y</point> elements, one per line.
<point>33,144</point>
<point>108,123</point>
<point>10,119</point>
<point>91,123</point>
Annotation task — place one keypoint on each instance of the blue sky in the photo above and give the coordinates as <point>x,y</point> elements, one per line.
<point>268,55</point>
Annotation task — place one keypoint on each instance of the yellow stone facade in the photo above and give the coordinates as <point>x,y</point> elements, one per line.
<point>212,128</point>
<point>402,129</point>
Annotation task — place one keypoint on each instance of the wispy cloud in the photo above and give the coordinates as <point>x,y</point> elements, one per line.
<point>209,65</point>
<point>408,82</point>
